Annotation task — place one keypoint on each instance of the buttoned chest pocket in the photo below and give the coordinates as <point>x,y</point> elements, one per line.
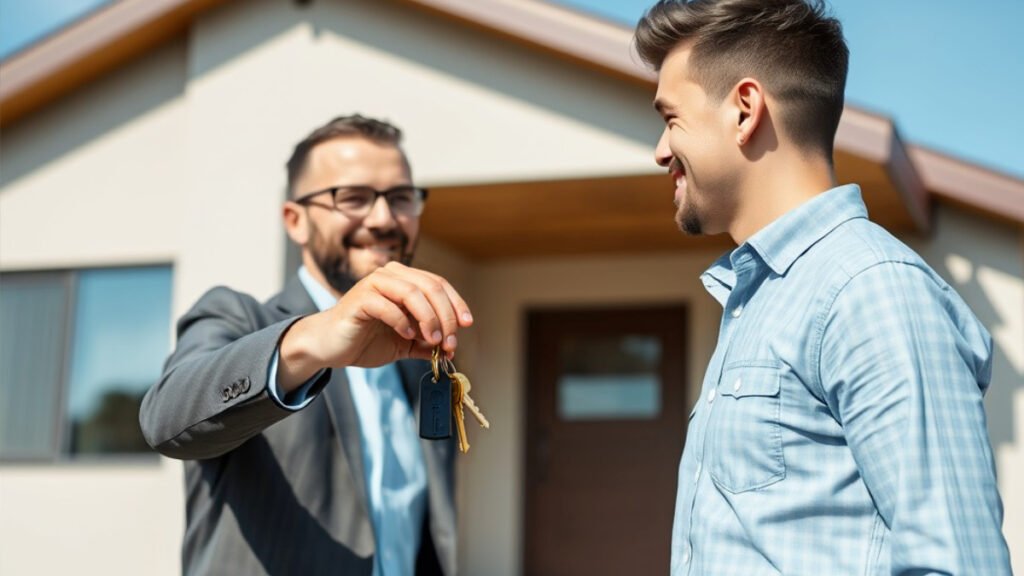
<point>746,433</point>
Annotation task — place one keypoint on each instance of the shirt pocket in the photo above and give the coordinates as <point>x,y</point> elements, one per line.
<point>746,432</point>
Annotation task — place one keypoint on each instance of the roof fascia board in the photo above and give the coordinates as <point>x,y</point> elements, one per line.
<point>88,48</point>
<point>991,192</point>
<point>875,138</point>
<point>580,37</point>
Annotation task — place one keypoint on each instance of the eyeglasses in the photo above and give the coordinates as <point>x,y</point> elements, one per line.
<point>358,201</point>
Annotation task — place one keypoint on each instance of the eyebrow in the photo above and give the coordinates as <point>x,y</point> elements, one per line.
<point>661,107</point>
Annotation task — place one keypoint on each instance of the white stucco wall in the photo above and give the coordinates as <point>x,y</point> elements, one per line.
<point>98,179</point>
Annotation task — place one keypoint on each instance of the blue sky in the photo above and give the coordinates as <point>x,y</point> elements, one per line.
<point>948,72</point>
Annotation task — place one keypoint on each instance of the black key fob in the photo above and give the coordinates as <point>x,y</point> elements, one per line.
<point>435,407</point>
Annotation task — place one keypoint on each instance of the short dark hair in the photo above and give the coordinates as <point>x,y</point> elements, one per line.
<point>793,47</point>
<point>379,131</point>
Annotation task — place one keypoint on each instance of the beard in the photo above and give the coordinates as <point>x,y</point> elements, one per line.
<point>688,219</point>
<point>333,262</point>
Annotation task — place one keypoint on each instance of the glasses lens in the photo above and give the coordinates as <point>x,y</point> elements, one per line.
<point>354,200</point>
<point>405,201</point>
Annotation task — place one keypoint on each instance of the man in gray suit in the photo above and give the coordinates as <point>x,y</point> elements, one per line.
<point>296,418</point>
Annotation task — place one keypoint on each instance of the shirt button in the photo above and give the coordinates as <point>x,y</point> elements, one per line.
<point>686,554</point>
<point>696,475</point>
<point>711,396</point>
<point>737,311</point>
<point>736,386</point>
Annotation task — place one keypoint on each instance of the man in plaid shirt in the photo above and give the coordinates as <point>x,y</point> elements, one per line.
<point>840,428</point>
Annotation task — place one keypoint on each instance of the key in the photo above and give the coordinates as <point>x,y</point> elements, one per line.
<point>460,420</point>
<point>467,400</point>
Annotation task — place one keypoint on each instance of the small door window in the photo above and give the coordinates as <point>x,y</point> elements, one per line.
<point>610,377</point>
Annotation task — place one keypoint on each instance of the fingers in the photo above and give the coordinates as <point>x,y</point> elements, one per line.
<point>421,350</point>
<point>389,313</point>
<point>408,297</point>
<point>464,316</point>
<point>436,306</point>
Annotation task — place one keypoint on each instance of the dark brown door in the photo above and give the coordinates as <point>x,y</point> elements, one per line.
<point>606,420</point>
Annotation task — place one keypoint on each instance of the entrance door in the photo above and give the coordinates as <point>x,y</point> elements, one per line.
<point>606,420</point>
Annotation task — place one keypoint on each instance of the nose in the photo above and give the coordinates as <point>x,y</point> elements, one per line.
<point>662,153</point>
<point>380,215</point>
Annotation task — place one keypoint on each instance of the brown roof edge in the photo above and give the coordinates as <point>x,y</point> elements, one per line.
<point>875,138</point>
<point>87,49</point>
<point>993,193</point>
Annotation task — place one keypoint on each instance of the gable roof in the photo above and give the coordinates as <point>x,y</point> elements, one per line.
<point>124,30</point>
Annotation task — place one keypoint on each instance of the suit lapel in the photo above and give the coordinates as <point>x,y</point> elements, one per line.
<point>293,301</point>
<point>342,410</point>
<point>343,413</point>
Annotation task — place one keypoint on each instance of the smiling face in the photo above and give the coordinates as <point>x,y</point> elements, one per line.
<point>335,247</point>
<point>698,147</point>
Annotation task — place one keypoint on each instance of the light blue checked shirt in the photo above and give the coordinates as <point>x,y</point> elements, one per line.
<point>840,428</point>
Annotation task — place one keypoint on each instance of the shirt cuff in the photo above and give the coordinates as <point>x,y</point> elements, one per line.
<point>296,399</point>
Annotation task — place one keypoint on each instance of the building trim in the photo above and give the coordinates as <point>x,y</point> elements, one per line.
<point>126,29</point>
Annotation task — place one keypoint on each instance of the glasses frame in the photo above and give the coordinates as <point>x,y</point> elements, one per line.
<point>333,190</point>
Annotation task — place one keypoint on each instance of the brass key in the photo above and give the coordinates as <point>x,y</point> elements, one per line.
<point>467,400</point>
<point>460,421</point>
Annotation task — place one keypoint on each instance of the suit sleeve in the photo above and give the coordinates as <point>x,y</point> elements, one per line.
<point>212,395</point>
<point>903,366</point>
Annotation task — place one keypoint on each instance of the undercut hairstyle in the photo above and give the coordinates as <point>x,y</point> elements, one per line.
<point>377,131</point>
<point>793,47</point>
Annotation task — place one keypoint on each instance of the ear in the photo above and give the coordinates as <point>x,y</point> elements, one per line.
<point>748,99</point>
<point>296,222</point>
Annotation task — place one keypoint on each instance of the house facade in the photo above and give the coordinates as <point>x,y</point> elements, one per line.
<point>142,153</point>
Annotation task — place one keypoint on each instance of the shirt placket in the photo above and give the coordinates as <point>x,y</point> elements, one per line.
<point>732,312</point>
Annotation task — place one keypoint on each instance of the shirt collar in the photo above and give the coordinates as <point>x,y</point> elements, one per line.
<point>782,242</point>
<point>320,295</point>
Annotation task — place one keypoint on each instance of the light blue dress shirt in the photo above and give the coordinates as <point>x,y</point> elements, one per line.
<point>396,477</point>
<point>840,427</point>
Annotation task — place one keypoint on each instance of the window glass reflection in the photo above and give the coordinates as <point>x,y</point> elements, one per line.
<point>609,377</point>
<point>121,337</point>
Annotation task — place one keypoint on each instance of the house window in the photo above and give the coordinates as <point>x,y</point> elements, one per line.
<point>78,350</point>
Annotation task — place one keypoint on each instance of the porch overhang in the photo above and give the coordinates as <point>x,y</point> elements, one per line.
<point>496,221</point>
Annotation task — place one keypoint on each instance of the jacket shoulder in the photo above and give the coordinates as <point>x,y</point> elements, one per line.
<point>228,305</point>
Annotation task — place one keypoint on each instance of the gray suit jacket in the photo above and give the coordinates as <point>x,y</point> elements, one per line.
<point>270,491</point>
